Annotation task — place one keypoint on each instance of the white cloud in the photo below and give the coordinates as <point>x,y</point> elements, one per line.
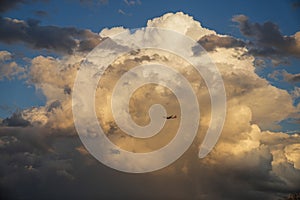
<point>181,23</point>
<point>112,31</point>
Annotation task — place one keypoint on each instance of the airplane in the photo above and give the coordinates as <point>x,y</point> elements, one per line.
<point>171,117</point>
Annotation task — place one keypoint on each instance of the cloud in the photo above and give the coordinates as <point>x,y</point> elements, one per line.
<point>293,78</point>
<point>210,42</point>
<point>122,12</point>
<point>8,68</point>
<point>9,4</point>
<point>181,23</point>
<point>41,13</point>
<point>296,92</point>
<point>16,120</point>
<point>267,40</point>
<point>6,5</point>
<point>295,4</point>
<point>29,158</point>
<point>249,161</point>
<point>94,2</point>
<point>112,31</point>
<point>132,2</point>
<point>283,74</point>
<point>55,78</point>
<point>54,38</point>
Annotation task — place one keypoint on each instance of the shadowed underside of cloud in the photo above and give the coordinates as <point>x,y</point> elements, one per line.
<point>267,40</point>
<point>210,42</point>
<point>16,120</point>
<point>6,5</point>
<point>9,4</point>
<point>54,38</point>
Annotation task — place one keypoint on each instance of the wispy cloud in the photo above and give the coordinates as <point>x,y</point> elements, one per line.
<point>122,12</point>
<point>94,2</point>
<point>132,2</point>
<point>283,74</point>
<point>40,13</point>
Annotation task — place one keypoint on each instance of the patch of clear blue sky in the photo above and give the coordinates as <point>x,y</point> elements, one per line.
<point>212,14</point>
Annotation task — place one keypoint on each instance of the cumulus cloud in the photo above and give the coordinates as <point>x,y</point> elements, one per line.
<point>58,39</point>
<point>181,23</point>
<point>249,161</point>
<point>9,68</point>
<point>55,78</point>
<point>112,31</point>
<point>267,40</point>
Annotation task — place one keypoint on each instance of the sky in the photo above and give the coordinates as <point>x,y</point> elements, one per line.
<point>96,15</point>
<point>255,45</point>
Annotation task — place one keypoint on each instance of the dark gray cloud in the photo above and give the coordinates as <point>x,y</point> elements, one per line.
<point>210,42</point>
<point>94,2</point>
<point>54,105</point>
<point>54,38</point>
<point>9,4</point>
<point>267,40</point>
<point>38,163</point>
<point>16,120</point>
<point>40,13</point>
<point>6,5</point>
<point>295,196</point>
<point>67,90</point>
<point>295,4</point>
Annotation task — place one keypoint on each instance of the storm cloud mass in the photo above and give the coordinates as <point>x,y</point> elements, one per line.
<point>43,158</point>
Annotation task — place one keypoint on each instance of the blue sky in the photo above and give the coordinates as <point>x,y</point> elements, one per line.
<point>211,13</point>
